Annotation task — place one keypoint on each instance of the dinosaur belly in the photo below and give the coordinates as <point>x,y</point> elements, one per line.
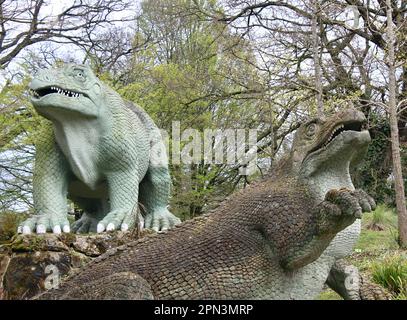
<point>78,140</point>
<point>308,282</point>
<point>343,243</point>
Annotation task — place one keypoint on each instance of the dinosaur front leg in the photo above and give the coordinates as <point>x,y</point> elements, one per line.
<point>339,210</point>
<point>123,197</point>
<point>50,183</point>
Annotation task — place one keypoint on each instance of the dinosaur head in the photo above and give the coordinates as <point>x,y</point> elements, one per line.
<point>324,149</point>
<point>70,89</point>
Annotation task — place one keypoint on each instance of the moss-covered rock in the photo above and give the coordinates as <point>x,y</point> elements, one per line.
<point>30,264</point>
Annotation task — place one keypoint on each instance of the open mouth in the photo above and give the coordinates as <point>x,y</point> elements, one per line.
<point>352,125</point>
<point>42,92</point>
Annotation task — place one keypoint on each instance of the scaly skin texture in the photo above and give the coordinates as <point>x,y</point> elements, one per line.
<point>248,248</point>
<point>352,285</point>
<point>102,152</point>
<point>322,163</point>
<point>268,241</point>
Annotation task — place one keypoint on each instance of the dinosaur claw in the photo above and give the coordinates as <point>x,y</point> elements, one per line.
<point>56,229</point>
<point>358,214</point>
<point>66,229</point>
<point>100,228</point>
<point>110,227</point>
<point>125,227</point>
<point>26,230</point>
<point>20,229</point>
<point>41,229</point>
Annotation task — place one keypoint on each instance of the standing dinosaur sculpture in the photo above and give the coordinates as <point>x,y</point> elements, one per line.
<point>104,153</point>
<point>277,239</point>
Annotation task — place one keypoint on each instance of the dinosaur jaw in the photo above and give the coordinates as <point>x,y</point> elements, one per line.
<point>50,101</point>
<point>40,93</point>
<point>328,167</point>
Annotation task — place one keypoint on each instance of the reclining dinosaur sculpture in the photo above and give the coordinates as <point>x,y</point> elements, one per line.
<point>277,239</point>
<point>104,153</point>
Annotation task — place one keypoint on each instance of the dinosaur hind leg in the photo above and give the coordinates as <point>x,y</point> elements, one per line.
<point>346,280</point>
<point>153,196</point>
<point>94,211</point>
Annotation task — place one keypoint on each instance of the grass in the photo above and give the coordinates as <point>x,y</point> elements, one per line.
<point>377,254</point>
<point>391,273</point>
<point>376,241</point>
<point>379,218</point>
<point>329,294</point>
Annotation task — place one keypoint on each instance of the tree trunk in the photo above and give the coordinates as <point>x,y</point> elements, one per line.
<point>317,63</point>
<point>397,171</point>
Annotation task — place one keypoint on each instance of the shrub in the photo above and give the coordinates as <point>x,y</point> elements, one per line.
<point>378,219</point>
<point>391,273</point>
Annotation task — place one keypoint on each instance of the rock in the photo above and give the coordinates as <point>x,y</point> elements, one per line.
<point>30,264</point>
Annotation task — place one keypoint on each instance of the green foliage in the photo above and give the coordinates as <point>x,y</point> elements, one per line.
<point>372,174</point>
<point>166,94</point>
<point>372,240</point>
<point>328,294</point>
<point>17,116</point>
<point>186,76</point>
<point>391,273</point>
<point>19,122</point>
<point>380,216</point>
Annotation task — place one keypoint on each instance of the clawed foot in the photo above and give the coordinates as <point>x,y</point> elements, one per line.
<point>342,207</point>
<point>116,219</point>
<point>44,223</point>
<point>86,223</point>
<point>161,220</point>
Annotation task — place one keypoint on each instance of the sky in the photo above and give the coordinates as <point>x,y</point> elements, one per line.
<point>50,11</point>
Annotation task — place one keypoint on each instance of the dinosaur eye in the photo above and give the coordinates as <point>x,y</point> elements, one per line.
<point>79,74</point>
<point>311,129</point>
